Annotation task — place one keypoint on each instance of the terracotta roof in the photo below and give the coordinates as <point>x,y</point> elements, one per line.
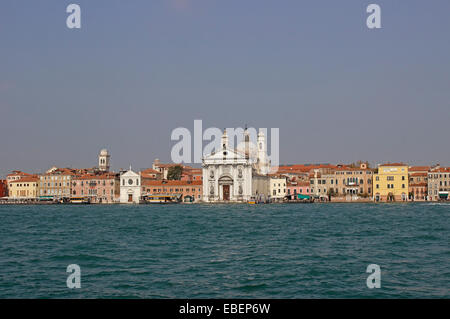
<point>171,165</point>
<point>150,171</point>
<point>347,168</point>
<point>62,171</point>
<point>419,168</point>
<point>192,171</point>
<point>93,176</point>
<point>419,174</point>
<point>19,173</point>
<point>304,167</point>
<point>442,170</point>
<point>26,180</point>
<point>393,164</point>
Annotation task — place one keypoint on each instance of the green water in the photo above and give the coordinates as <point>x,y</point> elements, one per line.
<point>226,251</point>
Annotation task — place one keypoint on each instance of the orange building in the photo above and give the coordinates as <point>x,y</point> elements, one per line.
<point>418,182</point>
<point>193,189</point>
<point>3,188</point>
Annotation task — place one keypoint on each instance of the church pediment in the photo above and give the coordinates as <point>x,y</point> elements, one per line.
<point>130,174</point>
<point>225,154</point>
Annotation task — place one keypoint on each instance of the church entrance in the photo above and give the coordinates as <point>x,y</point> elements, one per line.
<point>130,198</point>
<point>226,192</point>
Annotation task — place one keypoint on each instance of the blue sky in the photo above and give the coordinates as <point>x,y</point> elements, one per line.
<point>136,70</point>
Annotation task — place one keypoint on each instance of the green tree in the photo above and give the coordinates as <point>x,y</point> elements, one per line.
<point>175,172</point>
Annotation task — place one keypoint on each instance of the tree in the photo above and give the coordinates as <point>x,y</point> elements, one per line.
<point>175,172</point>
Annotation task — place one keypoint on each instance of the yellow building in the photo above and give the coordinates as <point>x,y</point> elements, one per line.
<point>391,183</point>
<point>24,188</point>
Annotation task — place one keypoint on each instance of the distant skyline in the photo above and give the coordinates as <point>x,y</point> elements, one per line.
<point>136,70</point>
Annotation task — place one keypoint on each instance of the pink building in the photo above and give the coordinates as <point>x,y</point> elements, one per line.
<point>99,188</point>
<point>295,187</point>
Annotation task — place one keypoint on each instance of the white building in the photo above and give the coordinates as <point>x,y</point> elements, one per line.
<point>278,187</point>
<point>228,173</point>
<point>130,187</point>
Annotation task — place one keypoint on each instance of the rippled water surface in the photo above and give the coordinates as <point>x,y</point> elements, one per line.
<point>225,251</point>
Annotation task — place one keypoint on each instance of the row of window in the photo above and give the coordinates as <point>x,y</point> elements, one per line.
<point>54,184</point>
<point>300,191</point>
<point>390,186</point>
<point>356,173</point>
<point>336,182</point>
<point>389,178</point>
<point>54,178</point>
<point>23,185</point>
<point>53,192</point>
<point>92,183</point>
<point>439,176</point>
<point>92,192</point>
<point>279,192</point>
<point>171,190</point>
<point>344,191</point>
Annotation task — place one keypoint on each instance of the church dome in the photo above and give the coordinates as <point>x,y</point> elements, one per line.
<point>104,152</point>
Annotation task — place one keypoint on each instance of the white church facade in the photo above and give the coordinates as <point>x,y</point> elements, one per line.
<point>234,175</point>
<point>130,187</point>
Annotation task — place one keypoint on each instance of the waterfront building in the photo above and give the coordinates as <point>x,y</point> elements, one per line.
<point>56,183</point>
<point>391,183</point>
<point>24,188</point>
<point>353,181</point>
<point>302,172</point>
<point>261,187</point>
<point>130,187</point>
<point>3,188</point>
<point>227,174</point>
<point>295,188</point>
<point>99,188</point>
<point>185,190</point>
<point>439,183</point>
<point>343,183</point>
<point>103,161</point>
<point>278,187</point>
<point>321,184</point>
<point>418,182</point>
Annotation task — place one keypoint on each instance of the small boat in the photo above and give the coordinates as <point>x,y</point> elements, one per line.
<point>161,199</point>
<point>79,200</point>
<point>252,200</point>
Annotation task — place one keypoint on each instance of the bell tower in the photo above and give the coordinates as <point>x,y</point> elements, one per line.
<point>103,160</point>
